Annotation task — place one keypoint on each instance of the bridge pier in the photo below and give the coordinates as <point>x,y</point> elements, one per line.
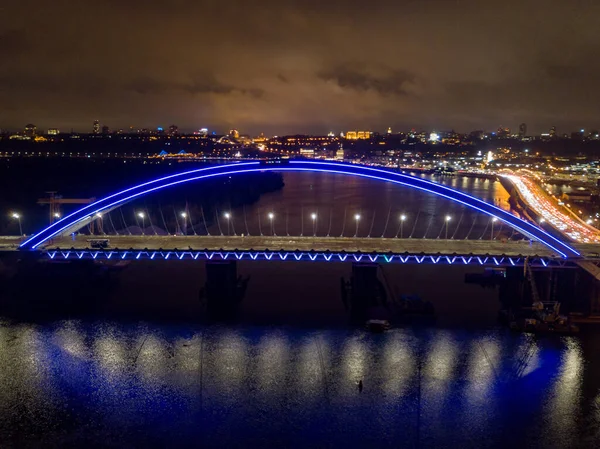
<point>363,292</point>
<point>224,289</point>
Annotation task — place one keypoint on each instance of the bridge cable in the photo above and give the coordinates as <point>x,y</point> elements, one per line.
<point>287,232</point>
<point>246,221</point>
<point>301,221</point>
<point>259,226</point>
<point>124,222</point>
<point>231,220</point>
<point>163,218</point>
<point>149,219</point>
<point>189,215</point>
<point>330,219</point>
<point>204,220</point>
<point>344,222</point>
<point>458,225</point>
<point>414,226</point>
<point>428,226</point>
<point>372,223</point>
<point>137,222</point>
<point>112,224</point>
<point>499,232</point>
<point>471,230</point>
<point>178,226</point>
<point>218,223</point>
<point>485,230</point>
<point>444,224</point>
<point>386,222</point>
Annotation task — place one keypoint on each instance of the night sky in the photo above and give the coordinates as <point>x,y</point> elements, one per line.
<point>285,66</point>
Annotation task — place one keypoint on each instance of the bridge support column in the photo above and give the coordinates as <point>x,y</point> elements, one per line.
<point>223,290</point>
<point>365,292</point>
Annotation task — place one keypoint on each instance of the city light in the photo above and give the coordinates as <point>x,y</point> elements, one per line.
<point>271,215</point>
<point>357,217</point>
<point>402,217</point>
<point>15,215</point>
<point>448,218</point>
<point>98,215</point>
<point>551,212</point>
<point>141,215</point>
<point>227,215</point>
<point>313,216</point>
<point>56,215</point>
<point>184,215</point>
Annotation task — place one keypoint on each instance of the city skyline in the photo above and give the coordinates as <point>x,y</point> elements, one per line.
<point>291,67</point>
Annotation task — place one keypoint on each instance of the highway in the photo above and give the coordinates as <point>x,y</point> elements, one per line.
<point>548,208</point>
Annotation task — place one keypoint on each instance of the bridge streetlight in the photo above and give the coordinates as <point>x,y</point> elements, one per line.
<point>313,216</point>
<point>184,216</point>
<point>494,220</point>
<point>17,217</point>
<point>357,219</point>
<point>402,220</point>
<point>227,216</point>
<point>271,218</point>
<point>143,217</point>
<point>448,218</point>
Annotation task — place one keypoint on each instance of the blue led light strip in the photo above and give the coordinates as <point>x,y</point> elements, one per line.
<point>82,215</point>
<point>310,256</point>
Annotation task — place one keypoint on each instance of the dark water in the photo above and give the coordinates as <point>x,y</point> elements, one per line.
<point>70,383</point>
<point>138,374</point>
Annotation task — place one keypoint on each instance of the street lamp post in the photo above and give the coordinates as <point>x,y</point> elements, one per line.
<point>143,217</point>
<point>313,216</point>
<point>402,220</point>
<point>227,216</point>
<point>357,219</point>
<point>271,218</point>
<point>17,217</point>
<point>184,216</point>
<point>448,218</point>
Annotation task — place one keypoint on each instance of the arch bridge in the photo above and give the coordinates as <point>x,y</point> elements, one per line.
<point>549,249</point>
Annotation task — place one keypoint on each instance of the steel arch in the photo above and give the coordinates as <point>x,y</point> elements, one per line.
<point>83,216</point>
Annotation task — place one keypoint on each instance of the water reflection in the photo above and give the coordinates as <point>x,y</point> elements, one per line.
<point>215,383</point>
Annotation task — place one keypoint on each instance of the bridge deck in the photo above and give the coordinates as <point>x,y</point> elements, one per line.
<point>337,244</point>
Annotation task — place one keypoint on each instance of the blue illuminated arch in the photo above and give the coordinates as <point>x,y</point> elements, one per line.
<point>83,216</point>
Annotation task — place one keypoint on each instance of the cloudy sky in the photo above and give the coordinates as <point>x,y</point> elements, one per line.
<point>289,66</point>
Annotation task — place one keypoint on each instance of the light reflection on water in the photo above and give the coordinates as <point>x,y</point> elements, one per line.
<point>219,383</point>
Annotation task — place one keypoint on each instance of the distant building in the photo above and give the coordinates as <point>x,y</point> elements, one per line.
<point>53,132</point>
<point>389,131</point>
<point>522,130</point>
<point>105,130</point>
<point>358,135</point>
<point>234,134</point>
<point>173,130</point>
<point>96,127</point>
<point>553,131</point>
<point>203,132</point>
<point>30,130</point>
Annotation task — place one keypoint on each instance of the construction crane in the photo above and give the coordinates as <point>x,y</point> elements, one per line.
<point>55,201</point>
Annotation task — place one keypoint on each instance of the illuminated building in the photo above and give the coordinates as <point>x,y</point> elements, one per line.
<point>53,132</point>
<point>173,130</point>
<point>522,130</point>
<point>96,127</point>
<point>203,132</point>
<point>105,130</point>
<point>553,131</point>
<point>358,135</point>
<point>339,154</point>
<point>261,138</point>
<point>234,134</point>
<point>389,131</point>
<point>30,130</point>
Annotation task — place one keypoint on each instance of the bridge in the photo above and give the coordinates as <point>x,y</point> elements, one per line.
<point>533,246</point>
<point>73,222</point>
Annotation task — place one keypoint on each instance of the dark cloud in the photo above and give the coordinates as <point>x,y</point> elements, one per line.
<point>283,66</point>
<point>390,82</point>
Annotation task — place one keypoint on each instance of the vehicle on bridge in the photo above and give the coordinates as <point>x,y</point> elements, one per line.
<point>99,243</point>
